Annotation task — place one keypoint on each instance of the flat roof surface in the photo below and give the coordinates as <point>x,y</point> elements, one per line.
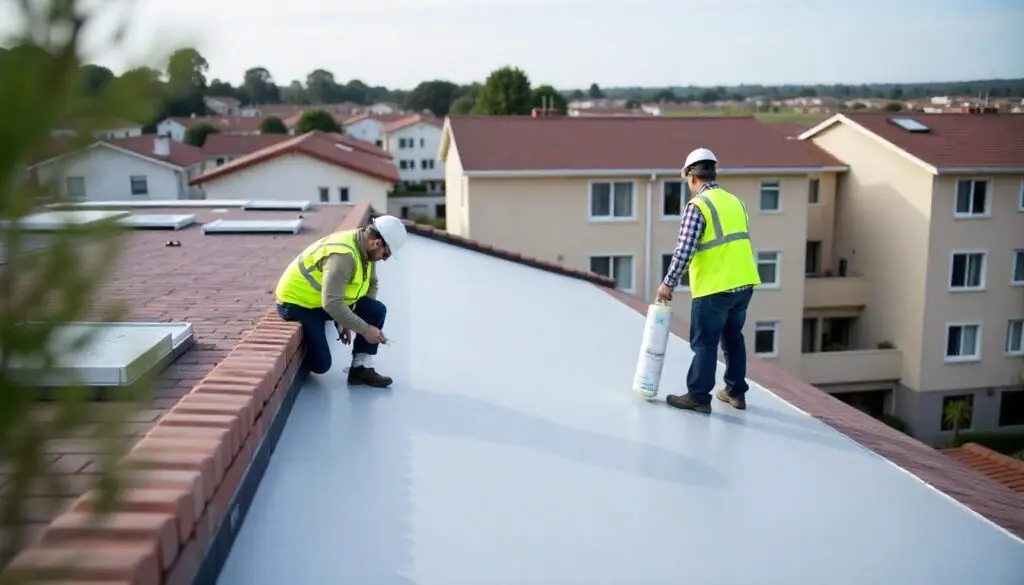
<point>511,450</point>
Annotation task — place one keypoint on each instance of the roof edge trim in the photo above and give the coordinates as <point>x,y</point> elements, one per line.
<point>114,147</point>
<point>528,173</point>
<point>980,170</point>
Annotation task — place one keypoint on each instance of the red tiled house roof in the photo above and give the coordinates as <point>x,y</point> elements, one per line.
<point>243,144</point>
<point>952,143</point>
<point>635,144</point>
<point>1002,468</point>
<point>180,154</point>
<point>410,121</point>
<point>317,145</point>
<point>223,123</point>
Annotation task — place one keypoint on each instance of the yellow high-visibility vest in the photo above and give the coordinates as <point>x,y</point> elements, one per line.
<point>724,259</point>
<point>301,283</point>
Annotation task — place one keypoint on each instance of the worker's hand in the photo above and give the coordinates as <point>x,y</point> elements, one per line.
<point>664,293</point>
<point>344,335</point>
<point>374,335</point>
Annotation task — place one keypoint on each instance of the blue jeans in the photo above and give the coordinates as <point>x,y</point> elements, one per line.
<point>713,319</point>
<point>314,332</point>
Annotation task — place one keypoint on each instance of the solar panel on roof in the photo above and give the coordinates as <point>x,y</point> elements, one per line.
<point>277,205</point>
<point>253,226</point>
<point>167,221</point>
<point>909,124</point>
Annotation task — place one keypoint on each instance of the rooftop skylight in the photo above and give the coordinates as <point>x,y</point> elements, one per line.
<point>276,205</point>
<point>118,354</point>
<point>58,220</point>
<point>253,226</point>
<point>166,221</point>
<point>910,124</point>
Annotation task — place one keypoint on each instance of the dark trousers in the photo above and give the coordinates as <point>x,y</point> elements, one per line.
<point>314,331</point>
<point>715,319</point>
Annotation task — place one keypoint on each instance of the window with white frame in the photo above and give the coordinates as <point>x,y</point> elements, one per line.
<point>75,187</point>
<point>611,200</point>
<point>963,341</point>
<point>343,194</point>
<point>967,271</point>
<point>1018,268</point>
<point>674,195</point>
<point>684,280</point>
<point>768,268</point>
<point>972,197</point>
<point>140,186</point>
<point>618,267</point>
<point>325,195</point>
<point>766,338</point>
<point>1015,337</point>
<point>770,195</point>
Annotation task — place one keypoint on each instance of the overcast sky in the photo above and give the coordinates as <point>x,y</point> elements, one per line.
<point>571,43</point>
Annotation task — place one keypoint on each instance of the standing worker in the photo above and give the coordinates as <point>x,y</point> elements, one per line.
<point>335,278</point>
<point>714,245</point>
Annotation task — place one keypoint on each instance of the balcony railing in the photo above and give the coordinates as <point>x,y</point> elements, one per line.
<point>825,292</point>
<point>852,366</point>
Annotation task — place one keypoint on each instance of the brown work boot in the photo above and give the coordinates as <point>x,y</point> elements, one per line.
<point>368,377</point>
<point>686,402</point>
<point>737,403</point>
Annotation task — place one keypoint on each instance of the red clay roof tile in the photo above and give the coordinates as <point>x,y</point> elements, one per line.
<point>223,123</point>
<point>243,144</point>
<point>409,121</point>
<point>510,143</point>
<point>954,140</point>
<point>181,154</point>
<point>1001,468</point>
<point>317,145</point>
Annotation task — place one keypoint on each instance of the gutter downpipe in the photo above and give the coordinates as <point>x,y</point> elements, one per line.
<point>648,229</point>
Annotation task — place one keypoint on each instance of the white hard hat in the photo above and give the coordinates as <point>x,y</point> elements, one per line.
<point>699,155</point>
<point>392,230</point>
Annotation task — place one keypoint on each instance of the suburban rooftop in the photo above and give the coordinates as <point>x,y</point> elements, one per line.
<point>383,486</point>
<point>640,145</point>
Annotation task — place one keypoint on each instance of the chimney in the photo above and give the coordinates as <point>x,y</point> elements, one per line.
<point>162,146</point>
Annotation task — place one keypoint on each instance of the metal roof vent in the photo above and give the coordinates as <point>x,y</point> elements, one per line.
<point>118,355</point>
<point>159,221</point>
<point>276,205</point>
<point>253,226</point>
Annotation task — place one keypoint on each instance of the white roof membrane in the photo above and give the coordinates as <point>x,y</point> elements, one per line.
<point>512,450</point>
<point>159,221</point>
<point>58,220</point>
<point>276,205</point>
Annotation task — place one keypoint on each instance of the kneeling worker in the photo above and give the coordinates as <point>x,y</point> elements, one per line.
<point>335,279</point>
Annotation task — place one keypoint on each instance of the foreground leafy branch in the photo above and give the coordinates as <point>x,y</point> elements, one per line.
<point>50,279</point>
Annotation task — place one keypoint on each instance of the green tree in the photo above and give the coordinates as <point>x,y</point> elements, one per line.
<point>44,288</point>
<point>595,92</point>
<point>549,95</point>
<point>259,88</point>
<point>436,96</point>
<point>321,88</point>
<point>462,106</point>
<point>272,125</point>
<point>196,134</point>
<point>505,93</point>
<point>893,107</point>
<point>317,120</point>
<point>956,414</point>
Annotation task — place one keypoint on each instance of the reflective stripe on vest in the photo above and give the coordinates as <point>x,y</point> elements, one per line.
<point>300,283</point>
<point>716,227</point>
<point>723,261</point>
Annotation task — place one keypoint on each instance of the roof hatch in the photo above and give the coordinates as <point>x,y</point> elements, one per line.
<point>119,354</point>
<point>910,124</point>
<point>253,226</point>
<point>276,205</point>
<point>166,221</point>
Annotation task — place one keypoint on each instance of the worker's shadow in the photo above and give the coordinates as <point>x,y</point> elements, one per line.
<point>364,439</point>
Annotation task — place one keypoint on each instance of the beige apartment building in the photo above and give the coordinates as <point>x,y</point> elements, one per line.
<point>605,194</point>
<point>931,211</point>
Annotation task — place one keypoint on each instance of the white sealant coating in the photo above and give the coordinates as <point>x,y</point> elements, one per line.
<point>512,450</point>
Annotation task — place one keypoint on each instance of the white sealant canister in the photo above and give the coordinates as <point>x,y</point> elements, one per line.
<point>652,350</point>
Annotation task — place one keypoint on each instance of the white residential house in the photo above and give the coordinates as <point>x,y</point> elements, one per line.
<point>237,125</point>
<point>384,108</point>
<point>314,167</point>
<point>126,169</point>
<point>414,142</point>
<point>119,130</point>
<point>368,128</point>
<point>415,206</point>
